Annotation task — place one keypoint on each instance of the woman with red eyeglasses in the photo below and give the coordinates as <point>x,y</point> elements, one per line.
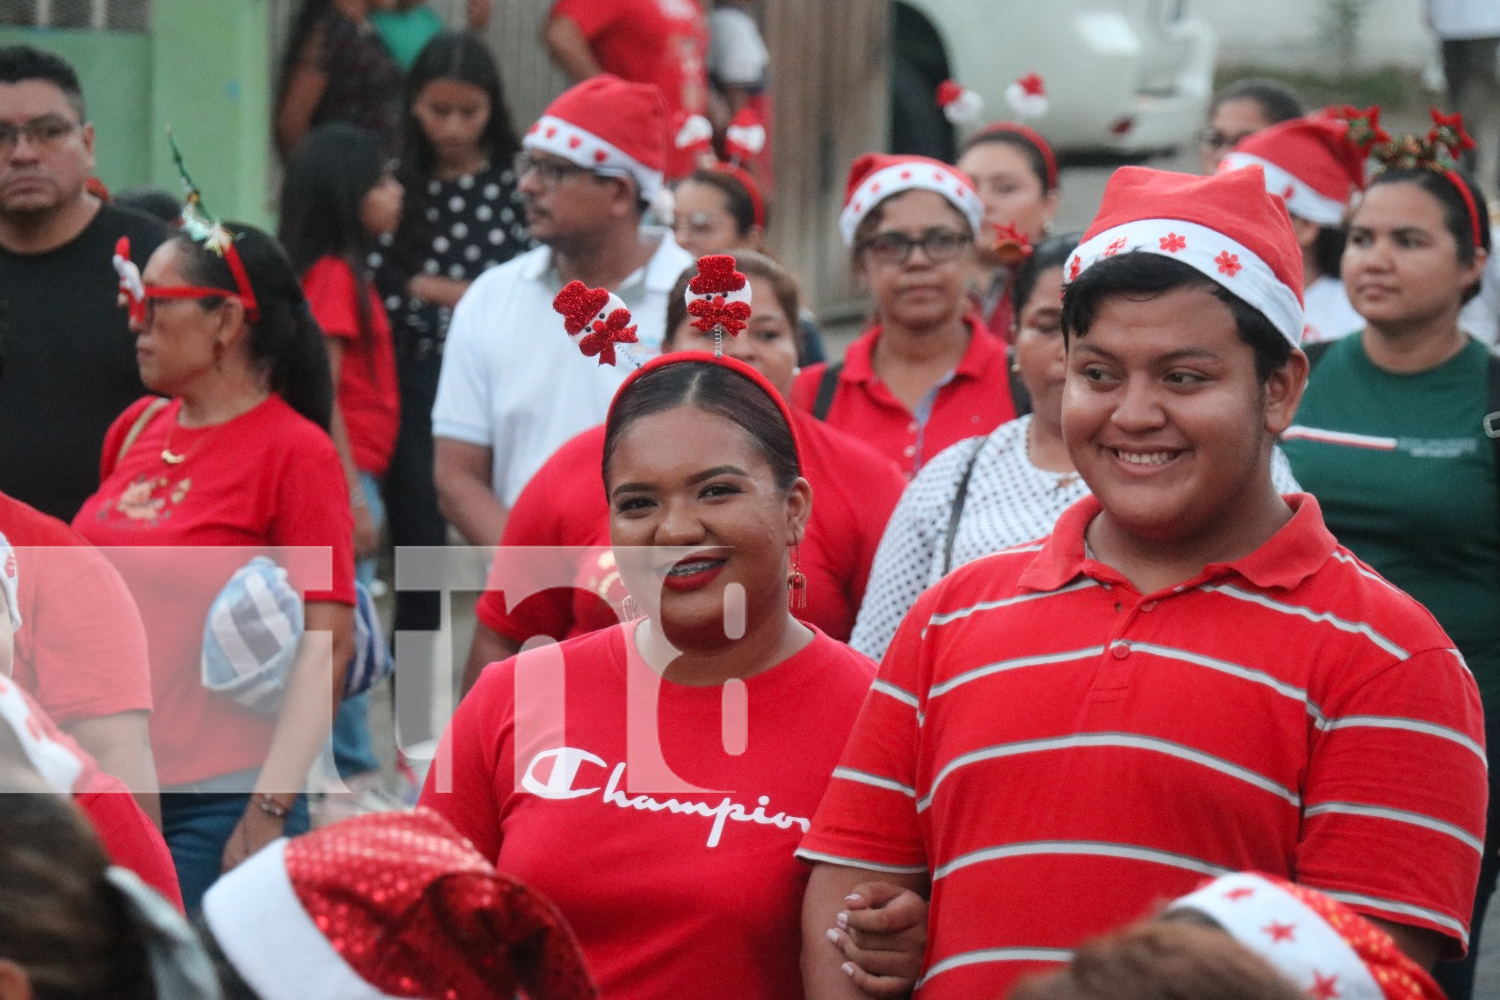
<point>925,375</point>
<point>233,452</point>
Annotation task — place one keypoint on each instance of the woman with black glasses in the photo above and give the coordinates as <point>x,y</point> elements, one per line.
<point>925,375</point>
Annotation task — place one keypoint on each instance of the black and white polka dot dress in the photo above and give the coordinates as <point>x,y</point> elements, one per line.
<point>470,224</point>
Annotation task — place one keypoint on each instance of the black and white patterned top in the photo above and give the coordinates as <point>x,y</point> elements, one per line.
<point>471,224</point>
<point>1009,502</point>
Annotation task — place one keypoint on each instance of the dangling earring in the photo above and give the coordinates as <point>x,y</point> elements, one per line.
<point>796,583</point>
<point>629,610</point>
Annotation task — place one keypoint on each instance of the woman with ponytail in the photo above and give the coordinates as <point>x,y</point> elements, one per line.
<point>237,455</point>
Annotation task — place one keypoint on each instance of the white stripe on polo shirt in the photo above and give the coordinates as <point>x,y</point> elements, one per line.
<point>1297,432</point>
<point>1223,666</point>
<point>953,616</point>
<point>1128,741</point>
<point>1357,628</point>
<point>1368,574</point>
<point>892,691</point>
<point>1085,848</point>
<point>1403,909</point>
<point>872,866</point>
<point>1407,725</point>
<point>987,955</point>
<point>874,781</point>
<point>1001,666</point>
<point>1397,816</point>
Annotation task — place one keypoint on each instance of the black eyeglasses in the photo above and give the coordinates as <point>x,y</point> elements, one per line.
<point>1212,138</point>
<point>895,248</point>
<point>549,171</point>
<point>40,132</point>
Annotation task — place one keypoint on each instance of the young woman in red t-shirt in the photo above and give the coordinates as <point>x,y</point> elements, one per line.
<point>653,779</point>
<point>337,199</point>
<point>857,488</point>
<point>238,457</point>
<point>926,375</point>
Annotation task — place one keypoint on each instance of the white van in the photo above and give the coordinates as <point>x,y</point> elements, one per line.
<point>1128,77</point>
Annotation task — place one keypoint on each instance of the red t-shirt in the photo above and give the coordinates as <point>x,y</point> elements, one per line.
<point>854,491</point>
<point>267,478</point>
<point>125,831</point>
<point>81,648</point>
<point>664,42</point>
<point>1041,730</point>
<point>973,400</point>
<point>367,393</point>
<point>676,881</point>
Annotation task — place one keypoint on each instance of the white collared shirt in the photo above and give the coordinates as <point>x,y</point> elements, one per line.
<point>512,381</point>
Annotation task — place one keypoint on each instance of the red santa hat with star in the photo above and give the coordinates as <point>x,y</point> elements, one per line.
<point>1321,945</point>
<point>1310,162</point>
<point>1227,227</point>
<point>610,126</point>
<point>874,177</point>
<point>390,905</point>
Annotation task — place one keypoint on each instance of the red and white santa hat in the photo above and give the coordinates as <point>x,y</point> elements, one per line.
<point>609,125</point>
<point>1309,162</point>
<point>1321,945</point>
<point>1227,227</point>
<point>63,765</point>
<point>874,177</point>
<point>390,905</point>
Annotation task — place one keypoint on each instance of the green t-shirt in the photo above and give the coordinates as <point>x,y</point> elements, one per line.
<point>405,32</point>
<point>1406,478</point>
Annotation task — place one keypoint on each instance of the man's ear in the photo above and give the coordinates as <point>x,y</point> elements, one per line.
<point>1283,393</point>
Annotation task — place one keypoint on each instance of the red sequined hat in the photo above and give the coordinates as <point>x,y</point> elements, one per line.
<point>1321,945</point>
<point>390,905</point>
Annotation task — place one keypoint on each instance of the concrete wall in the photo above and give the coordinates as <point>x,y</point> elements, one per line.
<point>204,69</point>
<point>1288,33</point>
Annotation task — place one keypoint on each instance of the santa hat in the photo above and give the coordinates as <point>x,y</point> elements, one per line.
<point>609,126</point>
<point>62,764</point>
<point>1321,945</point>
<point>874,177</point>
<point>389,905</point>
<point>1310,162</point>
<point>1227,227</point>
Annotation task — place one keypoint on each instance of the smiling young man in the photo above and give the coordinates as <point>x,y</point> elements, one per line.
<point>1188,677</point>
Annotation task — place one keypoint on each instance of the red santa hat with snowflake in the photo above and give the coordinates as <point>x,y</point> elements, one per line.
<point>390,905</point>
<point>874,177</point>
<point>1227,227</point>
<point>610,126</point>
<point>1312,163</point>
<point>1321,945</point>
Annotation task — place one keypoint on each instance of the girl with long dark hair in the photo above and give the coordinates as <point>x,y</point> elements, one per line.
<point>335,69</point>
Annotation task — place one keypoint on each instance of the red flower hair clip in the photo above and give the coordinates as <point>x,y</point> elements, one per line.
<point>1011,245</point>
<point>718,298</point>
<point>596,321</point>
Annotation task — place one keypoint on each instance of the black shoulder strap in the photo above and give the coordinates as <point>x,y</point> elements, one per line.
<point>1316,351</point>
<point>956,512</point>
<point>827,386</point>
<point>1019,397</point>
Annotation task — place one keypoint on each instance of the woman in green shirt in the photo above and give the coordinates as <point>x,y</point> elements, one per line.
<point>1390,439</point>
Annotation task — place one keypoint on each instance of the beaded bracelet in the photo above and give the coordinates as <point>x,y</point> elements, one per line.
<point>267,804</point>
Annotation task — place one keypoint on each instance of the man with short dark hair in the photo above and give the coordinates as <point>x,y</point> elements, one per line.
<point>69,356</point>
<point>69,371</point>
<point>513,387</point>
<point>1189,677</point>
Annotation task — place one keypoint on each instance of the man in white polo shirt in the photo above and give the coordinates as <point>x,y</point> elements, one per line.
<point>513,387</point>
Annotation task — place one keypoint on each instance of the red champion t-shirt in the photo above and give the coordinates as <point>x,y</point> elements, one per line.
<point>664,42</point>
<point>367,391</point>
<point>854,491</point>
<point>177,532</point>
<point>81,648</point>
<point>672,857</point>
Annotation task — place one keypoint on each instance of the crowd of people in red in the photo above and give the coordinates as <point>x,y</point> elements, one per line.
<point>1114,618</point>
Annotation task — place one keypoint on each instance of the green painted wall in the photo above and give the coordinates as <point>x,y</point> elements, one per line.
<point>205,69</point>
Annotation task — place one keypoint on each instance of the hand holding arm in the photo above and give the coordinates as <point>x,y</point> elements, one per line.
<point>878,920</point>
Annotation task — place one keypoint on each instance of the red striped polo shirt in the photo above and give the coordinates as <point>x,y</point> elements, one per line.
<point>1061,753</point>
